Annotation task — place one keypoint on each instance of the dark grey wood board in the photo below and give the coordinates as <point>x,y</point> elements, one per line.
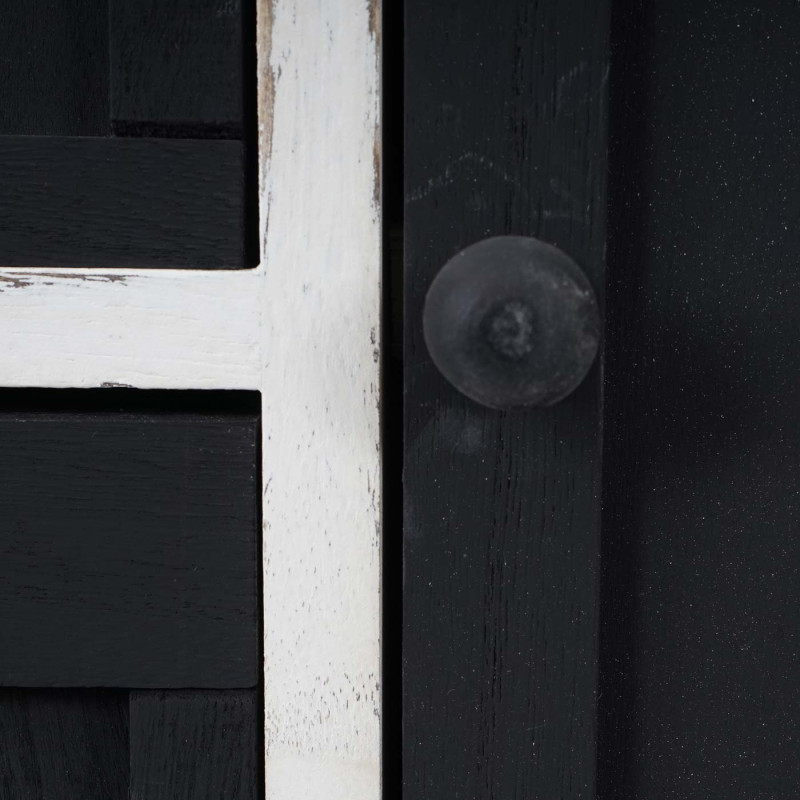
<point>506,133</point>
<point>64,744</point>
<point>129,550</point>
<point>54,76</point>
<point>91,202</point>
<point>177,64</point>
<point>189,745</point>
<point>100,744</point>
<point>700,667</point>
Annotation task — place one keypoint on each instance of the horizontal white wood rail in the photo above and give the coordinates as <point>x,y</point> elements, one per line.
<point>154,329</point>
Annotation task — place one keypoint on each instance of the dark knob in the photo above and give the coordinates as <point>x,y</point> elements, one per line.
<point>512,322</point>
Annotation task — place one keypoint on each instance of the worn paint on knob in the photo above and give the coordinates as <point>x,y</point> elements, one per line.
<point>512,322</point>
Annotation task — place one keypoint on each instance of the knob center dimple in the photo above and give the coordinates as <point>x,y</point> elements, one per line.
<point>510,330</point>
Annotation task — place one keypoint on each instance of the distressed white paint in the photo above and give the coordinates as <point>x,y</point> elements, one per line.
<point>320,394</point>
<point>151,329</point>
<point>303,328</point>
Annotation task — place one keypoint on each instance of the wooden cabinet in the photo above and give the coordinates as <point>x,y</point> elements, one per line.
<point>253,543</point>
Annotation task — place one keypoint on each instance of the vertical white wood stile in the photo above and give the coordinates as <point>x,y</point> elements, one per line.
<point>320,120</point>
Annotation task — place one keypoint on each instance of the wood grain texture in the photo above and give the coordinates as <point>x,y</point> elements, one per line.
<point>321,217</point>
<point>90,202</point>
<point>195,745</point>
<point>128,550</point>
<point>177,65</point>
<point>63,744</point>
<point>506,132</point>
<point>702,559</point>
<point>54,68</point>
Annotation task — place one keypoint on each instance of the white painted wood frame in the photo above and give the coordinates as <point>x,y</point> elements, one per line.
<point>303,329</point>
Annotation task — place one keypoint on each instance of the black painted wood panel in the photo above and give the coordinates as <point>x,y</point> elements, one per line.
<point>63,744</point>
<point>129,550</point>
<point>702,555</point>
<point>506,133</point>
<point>195,745</point>
<point>176,65</point>
<point>54,76</point>
<point>90,202</point>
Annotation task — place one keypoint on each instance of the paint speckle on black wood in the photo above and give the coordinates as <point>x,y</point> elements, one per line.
<point>701,580</point>
<point>506,133</point>
<point>129,550</point>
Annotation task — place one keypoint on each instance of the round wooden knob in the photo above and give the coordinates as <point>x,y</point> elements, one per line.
<point>512,322</point>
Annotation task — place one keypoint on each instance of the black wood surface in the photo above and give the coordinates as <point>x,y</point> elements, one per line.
<point>702,579</point>
<point>90,202</point>
<point>177,65</point>
<point>96,744</point>
<point>129,550</point>
<point>194,745</point>
<point>505,134</point>
<point>155,69</point>
<point>54,68</point>
<point>63,744</point>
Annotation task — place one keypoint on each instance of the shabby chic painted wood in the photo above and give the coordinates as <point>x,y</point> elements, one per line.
<point>304,329</point>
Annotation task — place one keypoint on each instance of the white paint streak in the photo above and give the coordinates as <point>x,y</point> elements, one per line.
<point>320,406</point>
<point>305,329</point>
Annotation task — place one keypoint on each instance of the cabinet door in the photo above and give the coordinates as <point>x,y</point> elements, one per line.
<point>600,596</point>
<point>190,477</point>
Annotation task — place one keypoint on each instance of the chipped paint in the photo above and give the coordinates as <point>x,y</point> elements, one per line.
<point>377,150</point>
<point>266,107</point>
<point>375,32</point>
<point>89,277</point>
<point>21,279</point>
<point>375,27</point>
<point>14,282</point>
<point>321,201</point>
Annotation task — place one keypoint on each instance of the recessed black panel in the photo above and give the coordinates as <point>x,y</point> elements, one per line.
<point>78,81</point>
<point>129,549</point>
<point>177,63</point>
<point>89,202</point>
